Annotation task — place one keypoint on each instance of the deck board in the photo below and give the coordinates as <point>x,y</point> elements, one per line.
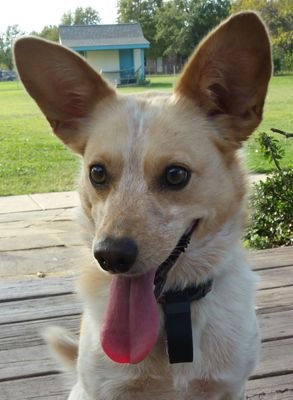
<point>41,308</point>
<point>272,388</point>
<point>46,387</point>
<point>28,306</point>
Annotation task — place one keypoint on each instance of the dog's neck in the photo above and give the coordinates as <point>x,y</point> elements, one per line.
<point>206,257</point>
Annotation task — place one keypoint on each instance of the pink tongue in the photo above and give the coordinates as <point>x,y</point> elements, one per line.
<point>131,323</point>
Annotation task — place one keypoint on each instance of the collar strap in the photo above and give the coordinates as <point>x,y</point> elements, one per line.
<point>177,311</point>
<point>166,266</point>
<point>190,293</point>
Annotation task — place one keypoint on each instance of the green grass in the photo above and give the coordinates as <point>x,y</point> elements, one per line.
<point>278,114</point>
<point>156,82</point>
<point>33,160</point>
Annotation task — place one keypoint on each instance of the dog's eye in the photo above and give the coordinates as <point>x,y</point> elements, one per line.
<point>176,177</point>
<point>98,175</point>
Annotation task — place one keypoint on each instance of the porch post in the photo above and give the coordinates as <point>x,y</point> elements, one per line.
<point>142,64</point>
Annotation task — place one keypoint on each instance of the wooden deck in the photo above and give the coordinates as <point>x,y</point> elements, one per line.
<point>28,305</point>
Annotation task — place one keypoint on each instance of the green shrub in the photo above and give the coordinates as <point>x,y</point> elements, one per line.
<point>271,221</point>
<point>271,202</point>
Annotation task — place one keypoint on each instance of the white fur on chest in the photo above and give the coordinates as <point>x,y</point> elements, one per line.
<point>225,339</point>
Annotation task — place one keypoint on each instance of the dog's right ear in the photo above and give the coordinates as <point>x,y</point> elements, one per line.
<point>63,85</point>
<point>228,75</point>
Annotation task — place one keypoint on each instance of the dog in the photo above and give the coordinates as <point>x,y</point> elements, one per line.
<point>169,302</point>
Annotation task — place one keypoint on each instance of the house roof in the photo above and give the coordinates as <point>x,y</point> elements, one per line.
<point>93,37</point>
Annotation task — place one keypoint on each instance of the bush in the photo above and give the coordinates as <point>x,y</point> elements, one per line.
<point>272,216</point>
<point>282,61</point>
<point>271,221</point>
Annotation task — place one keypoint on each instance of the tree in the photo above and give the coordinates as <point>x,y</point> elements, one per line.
<point>203,16</point>
<point>49,32</point>
<point>144,12</point>
<point>172,28</point>
<point>6,39</point>
<point>278,15</point>
<point>181,24</point>
<point>80,16</point>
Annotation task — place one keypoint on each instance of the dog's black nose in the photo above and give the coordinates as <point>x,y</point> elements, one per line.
<point>116,254</point>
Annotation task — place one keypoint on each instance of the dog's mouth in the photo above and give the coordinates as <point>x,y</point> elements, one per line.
<point>131,324</point>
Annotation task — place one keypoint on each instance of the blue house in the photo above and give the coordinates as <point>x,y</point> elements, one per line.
<point>116,51</point>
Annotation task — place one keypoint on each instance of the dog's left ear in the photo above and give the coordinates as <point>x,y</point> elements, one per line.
<point>228,75</point>
<point>63,85</point>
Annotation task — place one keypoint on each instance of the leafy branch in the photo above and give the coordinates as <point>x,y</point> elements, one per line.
<point>271,149</point>
<point>286,134</point>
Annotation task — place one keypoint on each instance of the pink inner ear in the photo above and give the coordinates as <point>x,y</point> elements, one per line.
<point>75,104</point>
<point>219,95</point>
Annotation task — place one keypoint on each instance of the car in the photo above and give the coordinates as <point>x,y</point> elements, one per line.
<point>7,76</point>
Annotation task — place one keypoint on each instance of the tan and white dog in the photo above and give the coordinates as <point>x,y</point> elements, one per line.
<point>158,168</point>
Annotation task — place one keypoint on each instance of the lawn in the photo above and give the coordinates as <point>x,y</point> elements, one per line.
<point>33,160</point>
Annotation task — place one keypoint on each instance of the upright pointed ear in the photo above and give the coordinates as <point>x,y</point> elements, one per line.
<point>63,85</point>
<point>228,75</point>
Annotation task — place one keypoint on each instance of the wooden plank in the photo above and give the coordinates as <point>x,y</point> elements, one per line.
<point>276,325</point>
<point>273,300</point>
<point>56,387</point>
<point>271,388</point>
<point>275,277</point>
<point>271,258</point>
<point>37,287</point>
<point>276,359</point>
<point>41,308</point>
<point>15,229</point>
<point>51,387</point>
<point>22,219</point>
<point>272,278</point>
<point>54,259</point>
<point>20,340</point>
<point>23,351</point>
<point>56,199</point>
<point>40,238</point>
<point>273,326</point>
<point>29,361</point>
<point>11,204</point>
<point>27,334</point>
<point>38,232</point>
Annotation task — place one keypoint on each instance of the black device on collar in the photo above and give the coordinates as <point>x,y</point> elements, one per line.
<point>177,311</point>
<point>177,304</point>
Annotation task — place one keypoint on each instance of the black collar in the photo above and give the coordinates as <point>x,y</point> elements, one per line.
<point>190,293</point>
<point>178,324</point>
<point>177,304</point>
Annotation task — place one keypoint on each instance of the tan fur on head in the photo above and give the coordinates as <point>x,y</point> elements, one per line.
<point>217,103</point>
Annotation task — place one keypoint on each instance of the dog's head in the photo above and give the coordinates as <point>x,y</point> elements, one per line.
<point>155,166</point>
